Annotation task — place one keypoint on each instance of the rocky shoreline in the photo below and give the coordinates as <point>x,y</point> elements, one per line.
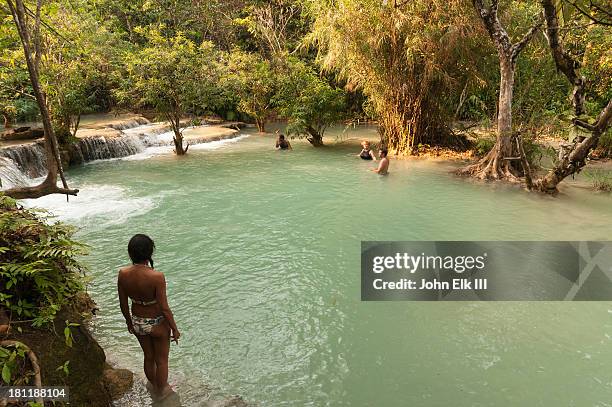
<point>91,380</point>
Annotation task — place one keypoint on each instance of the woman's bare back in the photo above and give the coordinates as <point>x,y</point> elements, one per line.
<point>141,283</point>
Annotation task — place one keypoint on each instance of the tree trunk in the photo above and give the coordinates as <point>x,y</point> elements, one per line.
<point>175,123</point>
<point>504,160</point>
<point>179,149</point>
<point>574,159</point>
<point>261,125</point>
<point>314,137</point>
<point>564,61</point>
<point>54,165</point>
<point>497,163</point>
<point>7,121</point>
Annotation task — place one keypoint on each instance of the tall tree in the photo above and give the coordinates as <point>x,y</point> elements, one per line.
<point>405,71</point>
<point>174,77</point>
<point>308,102</point>
<point>252,79</point>
<point>573,159</point>
<point>30,36</point>
<point>499,163</point>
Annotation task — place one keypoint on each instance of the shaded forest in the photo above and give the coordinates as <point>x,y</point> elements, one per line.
<point>426,72</point>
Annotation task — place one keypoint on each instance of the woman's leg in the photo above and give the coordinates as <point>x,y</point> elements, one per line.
<point>146,343</point>
<point>161,345</point>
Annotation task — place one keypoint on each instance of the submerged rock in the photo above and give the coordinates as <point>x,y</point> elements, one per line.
<point>117,381</point>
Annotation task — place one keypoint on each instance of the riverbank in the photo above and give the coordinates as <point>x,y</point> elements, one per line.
<point>82,367</point>
<point>45,312</point>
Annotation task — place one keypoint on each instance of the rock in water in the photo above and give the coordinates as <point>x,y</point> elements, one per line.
<point>118,382</point>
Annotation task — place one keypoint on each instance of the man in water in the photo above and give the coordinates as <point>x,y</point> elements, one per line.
<point>383,167</point>
<point>282,143</point>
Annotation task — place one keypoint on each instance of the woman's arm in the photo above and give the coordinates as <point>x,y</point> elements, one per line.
<point>372,155</point>
<point>123,304</point>
<point>162,300</point>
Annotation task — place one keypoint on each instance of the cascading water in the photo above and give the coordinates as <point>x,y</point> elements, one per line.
<point>129,124</point>
<point>21,163</point>
<point>104,148</point>
<point>10,175</point>
<point>29,158</point>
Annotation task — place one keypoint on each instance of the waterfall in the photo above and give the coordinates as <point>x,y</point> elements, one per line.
<point>10,175</point>
<point>104,148</point>
<point>129,124</point>
<point>29,158</point>
<point>20,163</point>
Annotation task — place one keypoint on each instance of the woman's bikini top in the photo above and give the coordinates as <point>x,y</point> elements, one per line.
<point>365,154</point>
<point>145,303</point>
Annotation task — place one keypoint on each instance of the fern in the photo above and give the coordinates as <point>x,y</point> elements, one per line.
<point>40,269</point>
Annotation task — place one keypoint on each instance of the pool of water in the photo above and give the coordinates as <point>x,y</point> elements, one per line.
<point>261,251</point>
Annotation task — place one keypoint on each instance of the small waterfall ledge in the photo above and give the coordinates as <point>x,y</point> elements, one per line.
<point>21,163</point>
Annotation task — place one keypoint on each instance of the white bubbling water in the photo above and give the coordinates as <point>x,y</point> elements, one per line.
<point>88,207</point>
<point>10,175</point>
<point>214,145</point>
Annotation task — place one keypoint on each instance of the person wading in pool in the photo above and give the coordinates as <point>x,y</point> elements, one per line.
<point>151,319</point>
<point>383,166</point>
<point>366,153</point>
<point>282,143</point>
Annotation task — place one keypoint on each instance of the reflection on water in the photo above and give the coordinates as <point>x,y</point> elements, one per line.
<point>261,251</point>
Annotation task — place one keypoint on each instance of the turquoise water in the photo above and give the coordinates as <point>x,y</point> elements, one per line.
<point>261,251</point>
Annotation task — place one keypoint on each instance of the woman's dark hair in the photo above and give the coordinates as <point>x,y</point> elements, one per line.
<point>141,249</point>
<point>383,152</point>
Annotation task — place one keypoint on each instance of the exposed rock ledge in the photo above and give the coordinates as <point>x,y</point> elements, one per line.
<point>91,380</point>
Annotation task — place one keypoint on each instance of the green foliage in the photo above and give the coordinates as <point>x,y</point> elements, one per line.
<point>484,145</point>
<point>604,148</point>
<point>407,58</point>
<point>16,101</point>
<point>79,65</point>
<point>252,79</point>
<point>12,361</point>
<point>68,333</point>
<point>173,76</point>
<point>39,267</point>
<point>276,26</point>
<point>64,368</point>
<point>600,179</point>
<point>309,103</point>
<point>413,66</point>
<point>210,20</point>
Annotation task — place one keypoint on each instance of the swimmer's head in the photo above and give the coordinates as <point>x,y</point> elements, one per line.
<point>382,152</point>
<point>140,249</point>
<point>365,144</point>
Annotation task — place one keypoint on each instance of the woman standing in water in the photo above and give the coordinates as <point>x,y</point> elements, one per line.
<point>151,319</point>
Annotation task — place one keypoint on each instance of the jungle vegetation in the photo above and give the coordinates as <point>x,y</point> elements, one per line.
<point>423,70</point>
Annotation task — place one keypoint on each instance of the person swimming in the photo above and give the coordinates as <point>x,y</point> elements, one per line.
<point>151,319</point>
<point>282,143</point>
<point>383,167</point>
<point>366,153</point>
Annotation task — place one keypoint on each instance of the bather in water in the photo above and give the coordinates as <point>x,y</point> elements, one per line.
<point>151,319</point>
